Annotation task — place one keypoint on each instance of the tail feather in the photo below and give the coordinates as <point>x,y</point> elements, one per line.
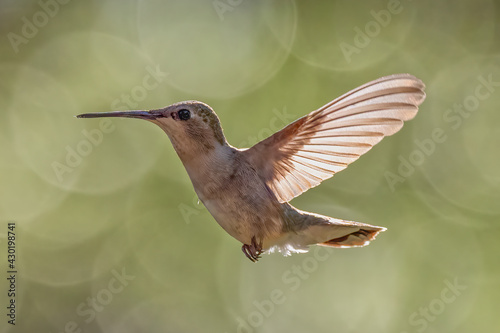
<point>362,237</point>
<point>309,229</point>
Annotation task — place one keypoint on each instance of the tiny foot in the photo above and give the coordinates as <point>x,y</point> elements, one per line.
<point>252,251</point>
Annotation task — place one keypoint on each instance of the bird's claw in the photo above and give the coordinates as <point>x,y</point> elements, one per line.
<point>253,251</point>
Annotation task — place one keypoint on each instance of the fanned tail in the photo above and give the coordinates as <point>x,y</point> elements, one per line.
<point>362,237</point>
<point>309,229</point>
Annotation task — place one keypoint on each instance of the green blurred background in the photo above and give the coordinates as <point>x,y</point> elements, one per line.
<point>110,236</point>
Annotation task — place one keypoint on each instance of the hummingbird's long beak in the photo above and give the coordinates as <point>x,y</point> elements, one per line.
<point>148,115</point>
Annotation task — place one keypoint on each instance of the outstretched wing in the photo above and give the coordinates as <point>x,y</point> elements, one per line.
<point>326,141</point>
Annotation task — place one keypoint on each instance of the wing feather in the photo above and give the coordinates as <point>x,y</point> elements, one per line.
<point>326,141</point>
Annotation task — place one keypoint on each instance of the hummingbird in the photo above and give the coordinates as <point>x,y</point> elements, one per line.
<point>247,191</point>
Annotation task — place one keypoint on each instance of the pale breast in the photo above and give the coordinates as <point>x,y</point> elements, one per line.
<point>240,201</point>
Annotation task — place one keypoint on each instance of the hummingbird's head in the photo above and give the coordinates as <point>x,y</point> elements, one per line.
<point>192,126</point>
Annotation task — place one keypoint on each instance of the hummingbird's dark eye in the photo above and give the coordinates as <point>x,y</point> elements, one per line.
<point>184,114</point>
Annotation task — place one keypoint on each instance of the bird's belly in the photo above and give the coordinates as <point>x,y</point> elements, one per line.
<point>237,198</point>
<point>225,220</point>
<point>243,220</point>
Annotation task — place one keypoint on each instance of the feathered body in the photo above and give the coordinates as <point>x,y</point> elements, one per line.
<point>245,207</point>
<point>247,190</point>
